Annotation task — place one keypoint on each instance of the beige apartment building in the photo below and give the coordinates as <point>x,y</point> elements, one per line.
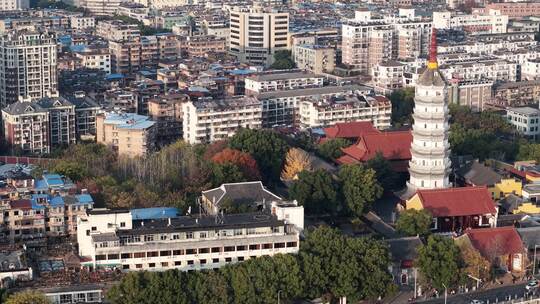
<point>114,30</point>
<point>131,56</point>
<point>257,33</point>
<point>326,111</point>
<point>475,94</point>
<point>127,133</point>
<point>368,41</point>
<point>387,76</point>
<point>515,9</point>
<point>315,58</point>
<point>211,120</point>
<point>201,46</point>
<point>278,81</point>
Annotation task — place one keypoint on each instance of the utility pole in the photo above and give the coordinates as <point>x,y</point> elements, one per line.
<point>445,293</point>
<point>534,263</point>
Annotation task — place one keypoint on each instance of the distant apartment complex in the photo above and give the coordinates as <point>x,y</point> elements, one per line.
<point>315,58</point>
<point>37,127</point>
<point>279,81</point>
<point>330,110</point>
<point>491,23</point>
<point>12,5</point>
<point>368,41</point>
<point>127,133</point>
<point>27,66</point>
<point>257,33</point>
<point>133,55</point>
<point>211,120</point>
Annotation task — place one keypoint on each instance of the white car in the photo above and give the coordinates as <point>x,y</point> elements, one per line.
<point>531,285</point>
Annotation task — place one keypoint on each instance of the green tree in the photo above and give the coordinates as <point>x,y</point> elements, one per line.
<point>28,297</point>
<point>131,289</point>
<point>73,170</point>
<point>529,151</point>
<point>316,191</point>
<point>331,149</point>
<point>440,262</point>
<point>359,188</point>
<point>265,146</point>
<point>413,222</point>
<point>208,287</point>
<point>386,177</point>
<point>226,173</point>
<point>283,60</point>
<point>402,106</point>
<point>335,265</point>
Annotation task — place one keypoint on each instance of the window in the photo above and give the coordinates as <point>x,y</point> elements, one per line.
<point>165,253</point>
<point>241,248</point>
<point>125,255</point>
<point>94,228</point>
<point>164,264</point>
<point>238,232</point>
<point>228,260</point>
<point>202,262</point>
<point>240,259</point>
<point>151,265</point>
<point>177,252</point>
<point>189,235</point>
<point>177,263</point>
<point>228,248</point>
<point>149,238</point>
<point>202,235</point>
<point>215,261</point>
<point>122,224</point>
<point>175,237</point>
<point>125,266</point>
<point>138,255</point>
<point>254,247</point>
<point>191,251</point>
<point>267,246</point>
<point>216,249</point>
<point>113,257</point>
<point>279,245</point>
<point>151,254</point>
<point>291,244</point>
<point>163,237</point>
<point>190,262</point>
<point>138,266</point>
<point>204,250</point>
<point>100,257</point>
<point>87,232</point>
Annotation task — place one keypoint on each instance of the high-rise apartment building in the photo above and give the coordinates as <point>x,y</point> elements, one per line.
<point>37,127</point>
<point>12,5</point>
<point>368,41</point>
<point>27,66</point>
<point>257,33</point>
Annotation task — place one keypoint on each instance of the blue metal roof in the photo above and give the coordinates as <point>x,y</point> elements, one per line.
<point>155,213</point>
<point>53,180</point>
<point>129,121</point>
<point>84,198</point>
<point>57,201</point>
<point>242,72</point>
<point>114,76</point>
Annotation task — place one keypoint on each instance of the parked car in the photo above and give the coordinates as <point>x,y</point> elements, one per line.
<point>532,285</point>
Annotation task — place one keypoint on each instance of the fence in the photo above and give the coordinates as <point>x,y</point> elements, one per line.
<point>26,160</point>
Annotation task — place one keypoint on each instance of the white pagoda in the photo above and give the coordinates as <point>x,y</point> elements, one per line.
<point>429,166</point>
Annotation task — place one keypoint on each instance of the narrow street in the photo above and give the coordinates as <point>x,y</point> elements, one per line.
<point>488,296</point>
